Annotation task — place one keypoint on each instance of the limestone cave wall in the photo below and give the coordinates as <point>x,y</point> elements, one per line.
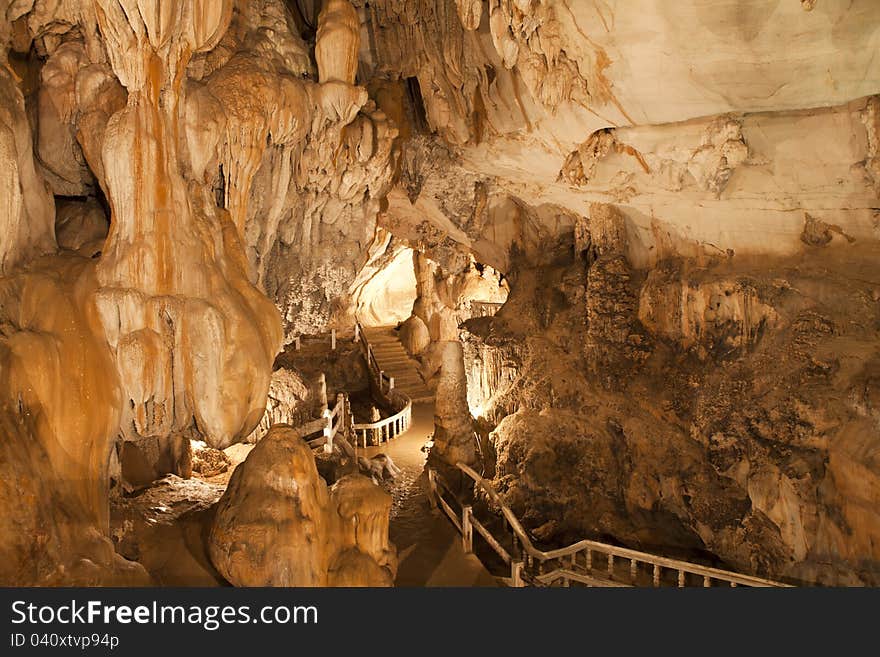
<point>675,202</point>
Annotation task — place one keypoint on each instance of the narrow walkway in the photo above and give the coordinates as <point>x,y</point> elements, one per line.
<point>429,547</point>
<point>395,361</point>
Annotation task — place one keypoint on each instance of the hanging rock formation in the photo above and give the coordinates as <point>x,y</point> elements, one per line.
<point>680,199</point>
<point>158,330</point>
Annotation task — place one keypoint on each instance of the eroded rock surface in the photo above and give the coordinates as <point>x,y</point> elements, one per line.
<point>737,425</point>
<point>278,524</point>
<point>681,200</point>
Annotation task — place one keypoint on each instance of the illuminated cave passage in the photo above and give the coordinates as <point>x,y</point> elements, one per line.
<point>167,498</point>
<point>348,293</point>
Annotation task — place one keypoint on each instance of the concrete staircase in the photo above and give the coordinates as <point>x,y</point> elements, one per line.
<point>394,361</point>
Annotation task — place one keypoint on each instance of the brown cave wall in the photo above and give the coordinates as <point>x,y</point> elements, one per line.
<point>152,327</point>
<point>739,426</point>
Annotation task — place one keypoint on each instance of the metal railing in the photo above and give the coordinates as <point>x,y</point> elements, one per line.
<point>579,562</point>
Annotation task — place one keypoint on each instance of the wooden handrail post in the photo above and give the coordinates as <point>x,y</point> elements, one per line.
<point>296,343</point>
<point>432,490</point>
<point>333,339</point>
<point>328,432</point>
<point>341,419</point>
<point>357,331</point>
<point>467,530</point>
<point>527,554</point>
<point>349,421</point>
<point>390,383</point>
<point>516,570</point>
<point>322,392</point>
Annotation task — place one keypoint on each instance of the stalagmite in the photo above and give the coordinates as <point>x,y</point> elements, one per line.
<point>278,524</point>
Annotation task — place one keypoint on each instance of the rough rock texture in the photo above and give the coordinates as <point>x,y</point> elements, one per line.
<point>453,425</point>
<point>414,335</point>
<point>386,296</point>
<point>738,425</point>
<point>290,401</point>
<point>175,117</point>
<point>278,524</point>
<point>193,339</point>
<point>60,409</point>
<point>300,166</point>
<point>338,42</point>
<point>691,118</point>
<point>657,182</point>
<point>681,198</point>
<point>81,226</point>
<point>27,212</point>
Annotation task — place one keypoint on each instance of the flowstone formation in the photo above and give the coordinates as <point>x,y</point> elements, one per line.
<point>674,206</point>
<point>278,524</point>
<point>187,145</point>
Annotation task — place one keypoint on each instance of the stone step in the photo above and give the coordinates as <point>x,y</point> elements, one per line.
<point>408,365</point>
<point>400,366</point>
<point>415,395</point>
<point>389,349</point>
<point>397,358</point>
<point>409,385</point>
<point>394,360</point>
<point>403,372</point>
<point>404,360</point>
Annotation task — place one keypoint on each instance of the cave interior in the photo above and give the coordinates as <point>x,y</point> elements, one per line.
<point>302,292</point>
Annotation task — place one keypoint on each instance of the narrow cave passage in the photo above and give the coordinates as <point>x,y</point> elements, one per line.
<point>429,548</point>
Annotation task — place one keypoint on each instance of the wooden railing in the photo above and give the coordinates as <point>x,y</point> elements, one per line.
<point>297,340</point>
<point>485,308</point>
<point>577,563</point>
<point>331,422</point>
<point>383,387</point>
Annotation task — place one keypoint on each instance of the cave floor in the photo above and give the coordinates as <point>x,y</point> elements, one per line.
<point>165,526</point>
<point>429,547</point>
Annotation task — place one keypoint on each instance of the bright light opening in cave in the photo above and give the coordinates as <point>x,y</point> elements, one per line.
<point>387,298</point>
